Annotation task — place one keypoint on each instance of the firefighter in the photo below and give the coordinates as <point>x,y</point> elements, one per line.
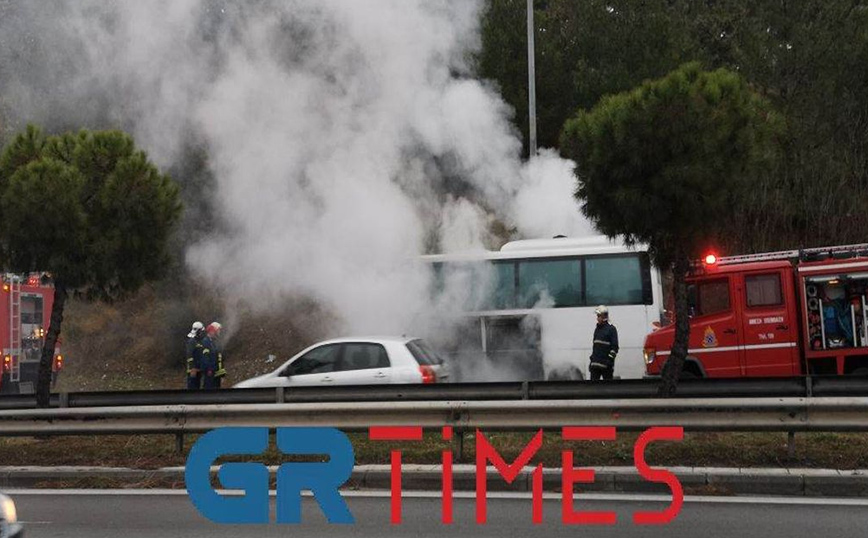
<point>206,357</point>
<point>605,347</point>
<point>214,335</point>
<point>194,372</point>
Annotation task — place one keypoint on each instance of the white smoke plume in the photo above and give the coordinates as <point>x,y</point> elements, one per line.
<point>335,131</point>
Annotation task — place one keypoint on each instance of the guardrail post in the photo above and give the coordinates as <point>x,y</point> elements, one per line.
<point>791,445</point>
<point>809,386</point>
<point>179,443</point>
<point>460,445</point>
<point>525,390</point>
<point>280,395</point>
<point>64,400</point>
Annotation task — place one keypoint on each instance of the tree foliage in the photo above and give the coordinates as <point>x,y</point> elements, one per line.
<point>806,57</point>
<point>667,163</point>
<point>88,208</point>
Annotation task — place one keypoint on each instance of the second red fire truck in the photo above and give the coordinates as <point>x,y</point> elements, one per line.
<point>774,315</point>
<point>25,310</point>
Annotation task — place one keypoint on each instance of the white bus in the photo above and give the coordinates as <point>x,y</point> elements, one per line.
<point>528,309</point>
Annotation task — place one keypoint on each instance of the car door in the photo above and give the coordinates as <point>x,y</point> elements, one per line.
<point>715,331</point>
<point>315,367</point>
<point>361,363</point>
<point>770,334</point>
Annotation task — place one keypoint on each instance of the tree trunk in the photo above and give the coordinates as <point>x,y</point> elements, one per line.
<point>43,380</point>
<point>675,364</point>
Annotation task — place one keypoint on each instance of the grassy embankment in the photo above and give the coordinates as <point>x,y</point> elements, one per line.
<point>139,344</point>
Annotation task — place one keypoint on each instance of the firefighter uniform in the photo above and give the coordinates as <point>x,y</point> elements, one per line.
<point>194,370</point>
<point>207,358</point>
<point>213,331</point>
<point>604,351</point>
<point>221,371</point>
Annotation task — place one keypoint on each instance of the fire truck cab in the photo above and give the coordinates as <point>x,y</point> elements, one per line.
<point>774,315</point>
<point>25,311</point>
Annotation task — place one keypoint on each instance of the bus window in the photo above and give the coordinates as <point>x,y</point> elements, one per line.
<point>615,280</point>
<point>504,286</point>
<point>437,283</point>
<point>560,279</point>
<point>481,285</point>
<point>513,344</point>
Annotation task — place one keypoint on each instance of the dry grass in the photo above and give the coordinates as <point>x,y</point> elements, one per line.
<point>139,344</point>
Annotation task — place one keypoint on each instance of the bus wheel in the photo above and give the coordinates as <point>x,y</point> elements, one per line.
<point>566,374</point>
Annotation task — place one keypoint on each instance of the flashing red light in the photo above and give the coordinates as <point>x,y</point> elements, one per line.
<point>711,259</point>
<point>7,363</point>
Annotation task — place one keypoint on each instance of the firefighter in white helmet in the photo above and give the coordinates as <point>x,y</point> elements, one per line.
<point>605,347</point>
<point>194,371</point>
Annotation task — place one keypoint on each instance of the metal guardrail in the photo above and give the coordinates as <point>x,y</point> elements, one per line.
<point>797,387</point>
<point>694,414</point>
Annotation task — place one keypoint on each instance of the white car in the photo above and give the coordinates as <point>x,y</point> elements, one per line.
<point>9,527</point>
<point>357,361</point>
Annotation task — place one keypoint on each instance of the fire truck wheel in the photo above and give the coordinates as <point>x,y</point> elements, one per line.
<point>688,374</point>
<point>863,372</point>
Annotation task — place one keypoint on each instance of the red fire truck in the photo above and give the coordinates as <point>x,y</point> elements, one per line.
<point>788,313</point>
<point>25,310</point>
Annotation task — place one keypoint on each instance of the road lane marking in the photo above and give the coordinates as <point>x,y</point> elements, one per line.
<point>382,494</point>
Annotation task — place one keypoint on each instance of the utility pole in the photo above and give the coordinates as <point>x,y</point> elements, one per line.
<point>531,80</point>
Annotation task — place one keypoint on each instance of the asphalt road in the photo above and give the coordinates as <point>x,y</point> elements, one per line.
<point>165,514</point>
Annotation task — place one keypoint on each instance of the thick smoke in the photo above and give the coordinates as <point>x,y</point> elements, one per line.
<point>345,137</point>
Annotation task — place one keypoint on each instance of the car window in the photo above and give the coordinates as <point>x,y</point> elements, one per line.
<point>364,356</point>
<point>423,353</point>
<point>320,360</point>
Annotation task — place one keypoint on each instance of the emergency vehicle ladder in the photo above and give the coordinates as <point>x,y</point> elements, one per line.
<point>851,250</point>
<point>14,350</point>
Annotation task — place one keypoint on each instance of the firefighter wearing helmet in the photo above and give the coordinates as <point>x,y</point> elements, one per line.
<point>194,339</point>
<point>605,347</point>
<point>219,372</point>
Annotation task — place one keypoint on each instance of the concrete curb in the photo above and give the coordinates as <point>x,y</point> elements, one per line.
<point>695,480</point>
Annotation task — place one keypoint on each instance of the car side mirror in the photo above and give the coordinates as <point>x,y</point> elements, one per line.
<point>286,372</point>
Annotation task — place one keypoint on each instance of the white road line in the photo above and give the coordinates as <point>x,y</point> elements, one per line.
<point>811,501</point>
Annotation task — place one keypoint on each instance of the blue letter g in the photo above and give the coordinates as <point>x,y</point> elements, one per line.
<point>250,477</point>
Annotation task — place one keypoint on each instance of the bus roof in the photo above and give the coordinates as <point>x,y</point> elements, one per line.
<point>543,248</point>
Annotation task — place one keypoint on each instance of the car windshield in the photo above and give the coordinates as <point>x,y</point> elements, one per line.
<point>423,353</point>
